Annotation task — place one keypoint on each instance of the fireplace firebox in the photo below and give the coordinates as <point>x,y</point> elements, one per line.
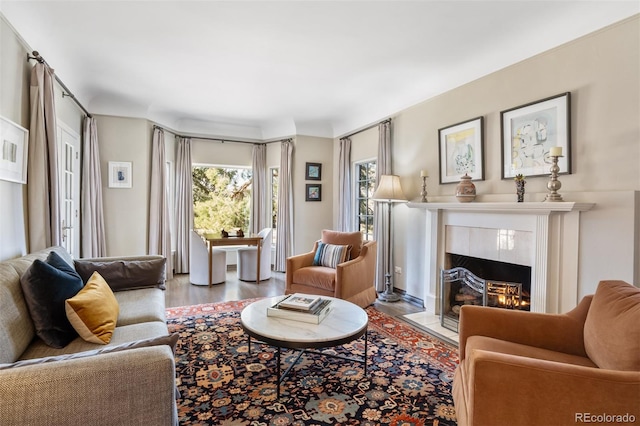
<point>460,286</point>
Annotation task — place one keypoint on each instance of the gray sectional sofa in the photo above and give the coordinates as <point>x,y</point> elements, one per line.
<point>129,381</point>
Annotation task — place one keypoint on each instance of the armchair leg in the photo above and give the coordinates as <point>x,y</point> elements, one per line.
<point>388,295</point>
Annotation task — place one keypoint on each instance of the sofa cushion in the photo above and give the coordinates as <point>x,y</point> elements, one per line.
<point>331,255</point>
<point>171,340</point>
<point>353,239</point>
<point>93,312</point>
<point>125,274</point>
<point>143,305</point>
<point>121,335</point>
<point>612,327</point>
<point>46,285</point>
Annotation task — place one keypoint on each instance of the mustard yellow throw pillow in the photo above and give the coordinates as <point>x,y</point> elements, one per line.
<point>93,312</point>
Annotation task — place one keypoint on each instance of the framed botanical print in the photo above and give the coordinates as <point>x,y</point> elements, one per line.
<point>313,171</point>
<point>313,192</point>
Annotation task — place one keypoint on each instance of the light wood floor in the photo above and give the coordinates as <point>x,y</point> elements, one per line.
<point>180,292</point>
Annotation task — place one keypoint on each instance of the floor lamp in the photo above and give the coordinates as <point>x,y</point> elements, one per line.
<point>389,191</point>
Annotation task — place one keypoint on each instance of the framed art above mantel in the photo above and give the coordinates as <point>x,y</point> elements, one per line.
<point>530,131</point>
<point>461,151</point>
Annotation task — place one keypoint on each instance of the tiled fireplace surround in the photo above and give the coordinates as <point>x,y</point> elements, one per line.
<point>542,235</point>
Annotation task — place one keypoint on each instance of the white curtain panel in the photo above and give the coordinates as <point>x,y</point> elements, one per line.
<point>381,212</point>
<point>92,214</point>
<point>346,221</point>
<point>284,217</point>
<point>184,204</point>
<point>42,169</point>
<point>159,229</point>
<point>260,210</point>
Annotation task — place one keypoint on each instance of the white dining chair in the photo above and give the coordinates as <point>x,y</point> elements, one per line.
<point>199,262</point>
<point>247,259</point>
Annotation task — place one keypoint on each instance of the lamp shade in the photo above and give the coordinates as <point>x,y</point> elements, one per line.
<point>389,190</point>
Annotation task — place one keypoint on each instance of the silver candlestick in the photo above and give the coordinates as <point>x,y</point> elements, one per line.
<point>554,184</point>
<point>424,189</point>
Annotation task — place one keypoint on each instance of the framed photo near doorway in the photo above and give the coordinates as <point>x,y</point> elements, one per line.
<point>120,174</point>
<point>14,148</point>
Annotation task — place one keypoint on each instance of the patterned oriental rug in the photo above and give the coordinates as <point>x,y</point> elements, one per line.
<point>408,381</point>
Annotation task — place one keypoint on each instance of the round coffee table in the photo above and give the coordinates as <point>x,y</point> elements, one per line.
<point>346,322</point>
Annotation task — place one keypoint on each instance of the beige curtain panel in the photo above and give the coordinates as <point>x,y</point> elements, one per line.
<point>260,210</point>
<point>92,213</point>
<point>42,169</point>
<point>284,218</point>
<point>184,204</point>
<point>159,225</point>
<point>346,222</point>
<point>381,212</point>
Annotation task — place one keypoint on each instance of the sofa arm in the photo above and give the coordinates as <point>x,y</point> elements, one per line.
<point>511,390</point>
<point>135,386</point>
<point>561,333</point>
<point>358,273</point>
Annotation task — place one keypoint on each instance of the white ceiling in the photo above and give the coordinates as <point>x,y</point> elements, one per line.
<point>269,69</point>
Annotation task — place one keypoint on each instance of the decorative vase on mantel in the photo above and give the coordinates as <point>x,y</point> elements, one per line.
<point>466,190</point>
<point>520,182</point>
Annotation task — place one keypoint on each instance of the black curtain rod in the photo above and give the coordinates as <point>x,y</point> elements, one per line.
<point>155,126</point>
<point>65,90</point>
<point>388,120</point>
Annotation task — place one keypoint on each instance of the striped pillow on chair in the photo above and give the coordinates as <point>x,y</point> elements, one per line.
<point>331,255</point>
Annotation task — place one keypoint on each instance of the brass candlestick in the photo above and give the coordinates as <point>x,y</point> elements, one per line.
<point>554,184</point>
<point>424,189</point>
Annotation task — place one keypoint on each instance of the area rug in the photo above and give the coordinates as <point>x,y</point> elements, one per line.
<point>408,381</point>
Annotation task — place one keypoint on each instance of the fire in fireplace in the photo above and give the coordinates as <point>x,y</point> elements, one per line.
<point>503,285</point>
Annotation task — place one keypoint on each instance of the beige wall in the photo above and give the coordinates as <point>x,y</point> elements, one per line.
<point>602,73</point>
<point>126,210</point>
<point>311,217</point>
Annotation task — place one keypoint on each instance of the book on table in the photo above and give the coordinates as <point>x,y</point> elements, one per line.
<point>314,316</point>
<point>300,302</point>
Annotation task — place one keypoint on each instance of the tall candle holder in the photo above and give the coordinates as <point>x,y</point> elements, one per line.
<point>554,184</point>
<point>424,189</point>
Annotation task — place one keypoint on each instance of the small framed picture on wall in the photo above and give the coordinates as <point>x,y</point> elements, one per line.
<point>313,171</point>
<point>314,192</point>
<point>120,174</point>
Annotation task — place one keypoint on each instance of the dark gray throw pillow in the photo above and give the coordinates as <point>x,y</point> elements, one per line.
<point>46,285</point>
<point>125,274</point>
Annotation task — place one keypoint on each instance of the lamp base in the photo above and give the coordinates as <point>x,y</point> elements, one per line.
<point>388,295</point>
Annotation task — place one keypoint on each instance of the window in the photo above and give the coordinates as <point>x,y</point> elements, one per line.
<point>221,197</point>
<point>365,186</point>
<point>275,176</point>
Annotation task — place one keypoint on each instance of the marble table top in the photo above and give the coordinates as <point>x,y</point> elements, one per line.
<point>345,323</point>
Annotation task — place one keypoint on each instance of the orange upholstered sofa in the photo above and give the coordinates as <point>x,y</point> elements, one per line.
<point>524,368</point>
<point>351,280</point>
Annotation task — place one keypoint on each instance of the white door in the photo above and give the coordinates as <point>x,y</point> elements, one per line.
<point>69,157</point>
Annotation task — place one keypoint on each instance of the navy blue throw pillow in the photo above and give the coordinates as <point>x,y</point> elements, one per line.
<point>46,285</point>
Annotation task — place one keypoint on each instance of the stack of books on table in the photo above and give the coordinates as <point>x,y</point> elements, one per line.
<point>301,307</point>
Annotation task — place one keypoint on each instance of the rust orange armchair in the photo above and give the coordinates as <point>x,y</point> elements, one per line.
<point>524,368</point>
<point>351,280</point>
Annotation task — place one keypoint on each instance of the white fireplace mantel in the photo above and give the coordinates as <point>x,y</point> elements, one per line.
<point>507,207</point>
<point>553,253</point>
